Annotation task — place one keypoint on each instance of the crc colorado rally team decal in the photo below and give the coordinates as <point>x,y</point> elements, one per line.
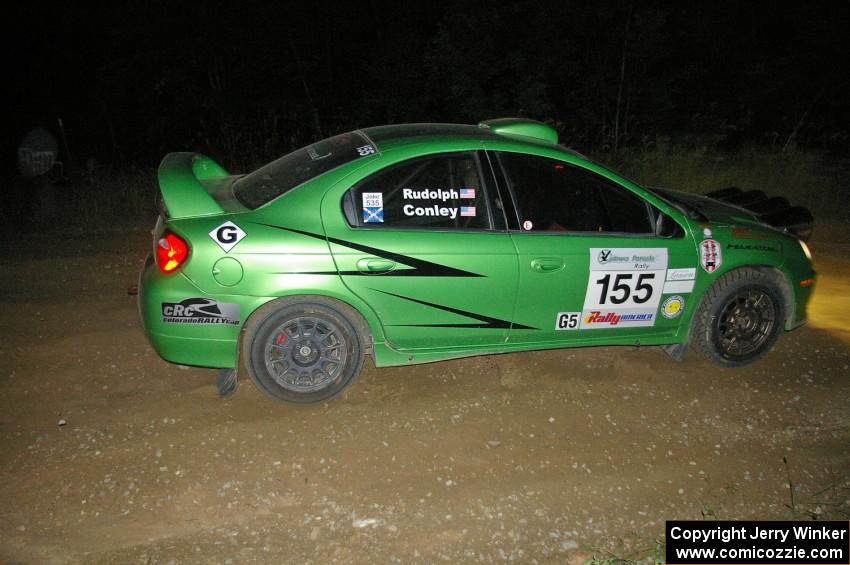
<point>200,311</point>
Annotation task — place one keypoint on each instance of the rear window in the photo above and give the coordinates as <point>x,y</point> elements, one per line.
<point>280,176</point>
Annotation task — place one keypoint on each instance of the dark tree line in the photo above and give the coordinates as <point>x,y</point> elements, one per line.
<point>247,81</point>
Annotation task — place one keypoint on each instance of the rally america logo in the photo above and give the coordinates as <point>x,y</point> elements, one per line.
<point>200,311</point>
<point>614,318</point>
<point>711,256</point>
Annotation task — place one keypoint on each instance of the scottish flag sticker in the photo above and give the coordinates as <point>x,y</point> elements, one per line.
<point>373,208</point>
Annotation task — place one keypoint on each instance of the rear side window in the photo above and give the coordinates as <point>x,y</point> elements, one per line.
<point>280,176</point>
<point>554,196</point>
<point>438,192</point>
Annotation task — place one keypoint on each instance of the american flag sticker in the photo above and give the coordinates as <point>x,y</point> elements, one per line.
<point>710,255</point>
<point>467,193</point>
<point>467,210</point>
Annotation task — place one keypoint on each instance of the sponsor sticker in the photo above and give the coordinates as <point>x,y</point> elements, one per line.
<point>601,319</point>
<point>678,287</point>
<point>751,247</point>
<point>373,208</point>
<point>711,256</point>
<point>227,235</point>
<point>682,274</point>
<point>314,155</point>
<point>747,233</point>
<point>628,259</point>
<point>673,307</point>
<point>200,311</point>
<point>567,320</point>
<point>624,287</point>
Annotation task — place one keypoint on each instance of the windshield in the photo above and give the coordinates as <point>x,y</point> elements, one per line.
<point>280,176</point>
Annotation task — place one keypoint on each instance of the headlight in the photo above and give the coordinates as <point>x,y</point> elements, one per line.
<point>806,249</point>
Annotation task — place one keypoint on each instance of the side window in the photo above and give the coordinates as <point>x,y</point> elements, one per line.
<point>554,196</point>
<point>439,192</point>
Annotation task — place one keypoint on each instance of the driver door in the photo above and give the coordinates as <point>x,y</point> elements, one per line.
<point>591,267</point>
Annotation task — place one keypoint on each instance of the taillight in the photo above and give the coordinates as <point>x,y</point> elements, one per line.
<point>171,252</point>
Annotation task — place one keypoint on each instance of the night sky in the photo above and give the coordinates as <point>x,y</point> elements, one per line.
<point>247,81</point>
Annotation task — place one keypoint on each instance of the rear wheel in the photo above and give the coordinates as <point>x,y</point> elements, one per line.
<point>740,318</point>
<point>303,353</point>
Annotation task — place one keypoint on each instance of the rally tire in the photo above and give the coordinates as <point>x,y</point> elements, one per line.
<point>739,318</point>
<point>302,352</point>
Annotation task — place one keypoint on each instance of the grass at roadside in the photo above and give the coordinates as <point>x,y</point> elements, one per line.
<point>647,553</point>
<point>806,178</point>
<point>97,198</point>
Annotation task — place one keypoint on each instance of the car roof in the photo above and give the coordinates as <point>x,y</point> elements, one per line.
<point>404,134</point>
<point>519,130</point>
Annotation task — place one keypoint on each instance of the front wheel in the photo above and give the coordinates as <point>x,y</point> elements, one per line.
<point>739,319</point>
<point>303,353</point>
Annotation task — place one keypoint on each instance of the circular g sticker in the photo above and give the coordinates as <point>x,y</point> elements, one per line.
<point>672,307</point>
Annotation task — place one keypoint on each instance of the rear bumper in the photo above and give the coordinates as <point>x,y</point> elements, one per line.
<point>203,345</point>
<point>194,351</point>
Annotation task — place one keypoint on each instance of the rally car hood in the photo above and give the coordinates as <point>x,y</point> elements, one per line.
<point>719,212</point>
<point>743,208</point>
<point>707,209</point>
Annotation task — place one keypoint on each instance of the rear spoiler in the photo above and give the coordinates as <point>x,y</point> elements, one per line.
<point>775,211</point>
<point>180,183</point>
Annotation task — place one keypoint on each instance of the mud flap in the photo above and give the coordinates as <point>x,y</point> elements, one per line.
<point>676,351</point>
<point>225,380</point>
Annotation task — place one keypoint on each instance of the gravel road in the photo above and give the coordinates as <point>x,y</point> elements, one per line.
<point>109,454</point>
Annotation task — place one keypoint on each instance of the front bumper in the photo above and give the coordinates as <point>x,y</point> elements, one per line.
<point>803,290</point>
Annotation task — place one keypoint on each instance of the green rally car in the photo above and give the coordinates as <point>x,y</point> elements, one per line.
<point>425,242</point>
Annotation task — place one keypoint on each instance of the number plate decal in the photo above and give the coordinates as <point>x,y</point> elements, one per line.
<point>624,287</point>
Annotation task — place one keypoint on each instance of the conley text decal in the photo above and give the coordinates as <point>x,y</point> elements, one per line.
<point>441,195</point>
<point>200,311</point>
<point>624,287</point>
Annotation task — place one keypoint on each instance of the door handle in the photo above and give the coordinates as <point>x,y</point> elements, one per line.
<point>375,265</point>
<point>547,264</point>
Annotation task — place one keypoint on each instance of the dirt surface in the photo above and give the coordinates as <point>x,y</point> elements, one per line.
<point>109,454</point>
